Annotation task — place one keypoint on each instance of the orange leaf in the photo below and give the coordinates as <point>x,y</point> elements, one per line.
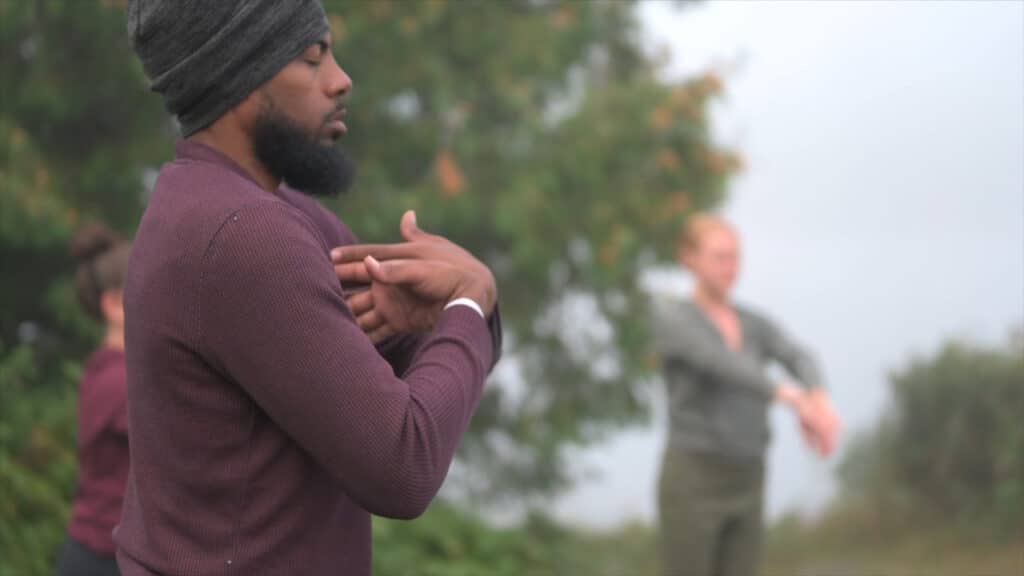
<point>449,173</point>
<point>661,117</point>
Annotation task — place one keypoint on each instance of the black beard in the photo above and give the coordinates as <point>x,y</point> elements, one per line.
<point>292,155</point>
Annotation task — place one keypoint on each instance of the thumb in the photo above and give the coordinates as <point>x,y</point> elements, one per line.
<point>376,271</point>
<point>410,231</point>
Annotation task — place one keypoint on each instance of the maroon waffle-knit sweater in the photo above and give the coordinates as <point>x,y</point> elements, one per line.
<point>265,426</point>
<point>102,451</point>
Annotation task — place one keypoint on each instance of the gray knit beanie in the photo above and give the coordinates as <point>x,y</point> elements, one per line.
<point>205,56</point>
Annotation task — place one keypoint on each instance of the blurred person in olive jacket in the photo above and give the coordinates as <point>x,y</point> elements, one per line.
<point>714,353</point>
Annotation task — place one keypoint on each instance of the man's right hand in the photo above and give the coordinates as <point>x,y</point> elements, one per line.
<point>412,281</point>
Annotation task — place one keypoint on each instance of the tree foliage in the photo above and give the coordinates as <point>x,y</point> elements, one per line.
<point>537,133</point>
<point>951,445</point>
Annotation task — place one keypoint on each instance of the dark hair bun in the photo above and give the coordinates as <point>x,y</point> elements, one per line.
<point>92,241</point>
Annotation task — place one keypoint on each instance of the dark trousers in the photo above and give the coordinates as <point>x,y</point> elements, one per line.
<point>711,510</point>
<point>78,560</point>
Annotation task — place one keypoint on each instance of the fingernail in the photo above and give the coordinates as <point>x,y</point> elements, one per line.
<point>336,253</point>
<point>414,218</point>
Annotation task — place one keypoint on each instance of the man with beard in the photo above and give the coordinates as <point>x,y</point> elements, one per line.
<point>266,427</point>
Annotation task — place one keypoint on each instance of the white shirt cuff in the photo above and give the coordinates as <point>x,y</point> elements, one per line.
<point>466,302</point>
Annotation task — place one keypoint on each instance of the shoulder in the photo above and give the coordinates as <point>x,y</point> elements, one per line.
<point>751,314</point>
<point>667,304</point>
<point>267,251</point>
<point>757,320</point>
<point>198,205</point>
<point>263,227</point>
<point>334,230</point>
<point>673,314</point>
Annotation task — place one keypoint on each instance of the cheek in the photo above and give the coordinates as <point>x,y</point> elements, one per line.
<point>307,113</point>
<point>300,102</point>
<point>707,269</point>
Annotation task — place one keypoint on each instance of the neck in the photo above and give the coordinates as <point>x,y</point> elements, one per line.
<point>709,298</point>
<point>114,338</point>
<point>240,150</point>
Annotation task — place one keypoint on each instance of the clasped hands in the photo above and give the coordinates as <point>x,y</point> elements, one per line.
<point>410,282</point>
<point>819,421</point>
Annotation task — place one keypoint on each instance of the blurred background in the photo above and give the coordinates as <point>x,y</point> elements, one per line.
<point>870,153</point>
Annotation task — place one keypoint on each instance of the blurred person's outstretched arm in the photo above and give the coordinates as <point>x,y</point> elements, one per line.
<point>818,418</point>
<point>796,359</point>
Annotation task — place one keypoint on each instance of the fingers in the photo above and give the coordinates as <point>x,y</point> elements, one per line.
<point>824,438</point>
<point>811,437</point>
<point>362,307</point>
<point>817,430</point>
<point>381,334</point>
<point>360,303</point>
<point>410,231</point>
<point>400,271</point>
<point>829,423</point>
<point>358,252</point>
<point>370,321</point>
<point>352,273</point>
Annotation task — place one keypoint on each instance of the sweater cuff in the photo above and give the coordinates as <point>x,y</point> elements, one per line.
<point>466,302</point>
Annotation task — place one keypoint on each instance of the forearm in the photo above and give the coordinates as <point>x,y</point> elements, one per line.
<point>401,349</point>
<point>445,383</point>
<point>798,361</point>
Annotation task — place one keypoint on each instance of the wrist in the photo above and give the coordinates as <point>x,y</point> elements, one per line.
<point>787,394</point>
<point>482,291</point>
<point>467,302</point>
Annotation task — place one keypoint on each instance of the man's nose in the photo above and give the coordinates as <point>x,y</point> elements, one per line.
<point>339,83</point>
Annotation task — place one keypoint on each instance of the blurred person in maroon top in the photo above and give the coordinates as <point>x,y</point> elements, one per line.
<point>102,414</point>
<point>274,403</point>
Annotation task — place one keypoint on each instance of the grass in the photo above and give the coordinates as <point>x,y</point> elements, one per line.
<point>847,541</point>
<point>862,541</point>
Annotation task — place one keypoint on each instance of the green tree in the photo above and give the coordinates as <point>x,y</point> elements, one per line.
<point>951,444</point>
<point>77,128</point>
<point>538,133</point>
<point>936,487</point>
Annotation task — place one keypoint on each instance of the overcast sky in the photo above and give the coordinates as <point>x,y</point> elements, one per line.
<point>882,209</point>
